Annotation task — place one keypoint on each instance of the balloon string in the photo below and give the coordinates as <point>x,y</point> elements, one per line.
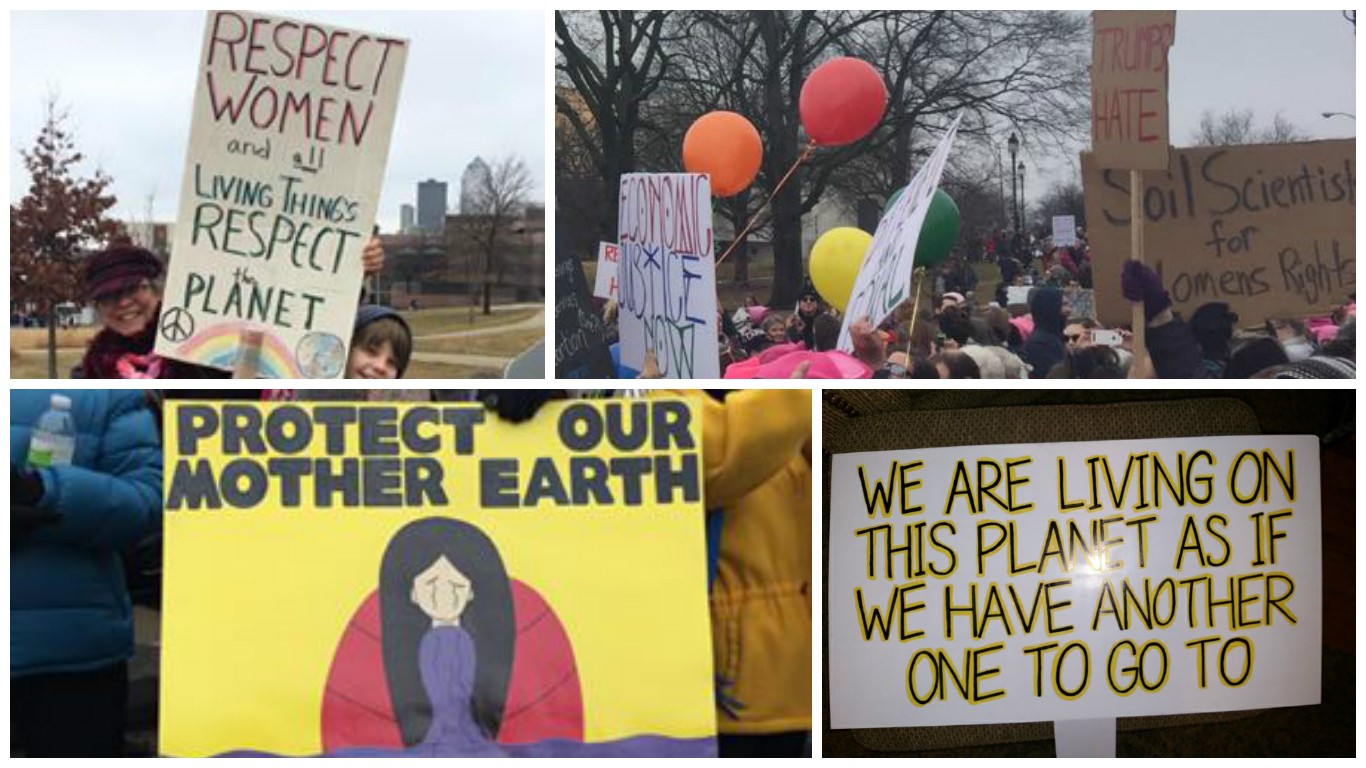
<point>915,308</point>
<point>754,220</point>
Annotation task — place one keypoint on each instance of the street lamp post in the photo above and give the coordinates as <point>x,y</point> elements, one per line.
<point>1022,195</point>
<point>1014,145</point>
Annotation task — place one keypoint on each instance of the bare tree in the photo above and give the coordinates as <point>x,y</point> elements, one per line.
<point>1026,69</point>
<point>1236,127</point>
<point>497,203</point>
<point>614,61</point>
<point>1064,198</point>
<point>56,224</point>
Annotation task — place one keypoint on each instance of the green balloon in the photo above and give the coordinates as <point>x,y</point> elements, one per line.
<point>940,230</point>
<point>891,201</point>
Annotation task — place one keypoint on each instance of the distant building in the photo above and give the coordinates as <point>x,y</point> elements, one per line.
<point>431,206</point>
<point>154,236</point>
<point>407,219</point>
<point>476,179</point>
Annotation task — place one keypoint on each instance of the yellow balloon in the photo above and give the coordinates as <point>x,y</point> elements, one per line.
<point>836,259</point>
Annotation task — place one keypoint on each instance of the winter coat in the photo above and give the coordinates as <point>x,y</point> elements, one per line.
<point>1176,353</point>
<point>69,608</point>
<point>757,447</point>
<point>1045,347</point>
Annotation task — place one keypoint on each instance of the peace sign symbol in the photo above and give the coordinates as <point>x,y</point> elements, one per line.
<point>176,324</point>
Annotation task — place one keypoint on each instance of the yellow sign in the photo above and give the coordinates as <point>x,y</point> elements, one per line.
<point>378,580</point>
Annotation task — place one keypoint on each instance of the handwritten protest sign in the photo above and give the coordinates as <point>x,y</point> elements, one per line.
<point>580,338</point>
<point>1074,581</point>
<point>884,280</point>
<point>1064,231</point>
<point>1270,230</point>
<point>667,275</point>
<point>605,281</point>
<point>408,580</point>
<point>289,139</point>
<point>1129,120</point>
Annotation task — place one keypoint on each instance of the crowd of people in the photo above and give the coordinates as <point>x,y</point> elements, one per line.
<point>1038,323</point>
<point>76,530</point>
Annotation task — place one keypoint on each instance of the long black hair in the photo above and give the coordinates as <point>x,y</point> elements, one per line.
<point>488,618</point>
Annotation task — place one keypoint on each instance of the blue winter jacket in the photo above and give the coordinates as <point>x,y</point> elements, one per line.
<point>69,608</point>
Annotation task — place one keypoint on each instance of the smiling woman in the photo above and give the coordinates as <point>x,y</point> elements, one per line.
<point>124,283</point>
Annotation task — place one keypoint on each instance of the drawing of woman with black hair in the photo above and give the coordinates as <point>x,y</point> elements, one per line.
<point>448,636</point>
<point>440,679</point>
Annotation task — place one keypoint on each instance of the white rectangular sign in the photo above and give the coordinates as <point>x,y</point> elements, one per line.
<point>1064,231</point>
<point>288,144</point>
<point>1068,581</point>
<point>666,278</point>
<point>605,283</point>
<point>884,281</point>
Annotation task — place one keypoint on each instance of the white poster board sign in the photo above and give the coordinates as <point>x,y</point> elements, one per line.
<point>1074,581</point>
<point>605,282</point>
<point>666,277</point>
<point>884,280</point>
<point>288,144</point>
<point>1064,231</point>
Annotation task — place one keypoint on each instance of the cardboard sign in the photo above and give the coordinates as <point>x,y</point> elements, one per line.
<point>667,274</point>
<point>605,281</point>
<point>884,280</point>
<point>408,580</point>
<point>1269,230</point>
<point>580,339</point>
<point>288,144</point>
<point>1129,120</point>
<point>1074,581</point>
<point>1064,231</point>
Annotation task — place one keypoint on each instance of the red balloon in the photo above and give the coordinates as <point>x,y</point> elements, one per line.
<point>842,101</point>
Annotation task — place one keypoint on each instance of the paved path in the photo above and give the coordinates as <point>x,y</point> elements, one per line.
<point>536,321</point>
<point>476,361</point>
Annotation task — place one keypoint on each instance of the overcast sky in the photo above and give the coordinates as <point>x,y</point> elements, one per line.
<point>474,86</point>
<point>1298,63</point>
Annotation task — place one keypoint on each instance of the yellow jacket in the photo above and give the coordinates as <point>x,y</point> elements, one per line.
<point>757,451</point>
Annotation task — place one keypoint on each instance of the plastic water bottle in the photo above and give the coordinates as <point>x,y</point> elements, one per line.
<point>54,436</point>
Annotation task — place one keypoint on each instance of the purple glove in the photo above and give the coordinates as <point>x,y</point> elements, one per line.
<point>1140,283</point>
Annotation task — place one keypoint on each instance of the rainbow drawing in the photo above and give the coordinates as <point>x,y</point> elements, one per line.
<point>217,347</point>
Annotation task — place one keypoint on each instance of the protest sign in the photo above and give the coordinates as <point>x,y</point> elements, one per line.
<point>408,580</point>
<point>1269,230</point>
<point>667,275</point>
<point>580,339</point>
<point>1074,581</point>
<point>1081,302</point>
<point>288,143</point>
<point>1064,231</point>
<point>884,280</point>
<point>1129,120</point>
<point>605,280</point>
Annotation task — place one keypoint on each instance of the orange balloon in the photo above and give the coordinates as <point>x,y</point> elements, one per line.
<point>725,146</point>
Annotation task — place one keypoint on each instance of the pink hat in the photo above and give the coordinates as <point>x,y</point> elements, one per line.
<point>1024,324</point>
<point>824,365</point>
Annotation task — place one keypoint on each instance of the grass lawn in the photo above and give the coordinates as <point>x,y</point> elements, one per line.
<point>501,344</point>
<point>32,364</point>
<point>425,322</point>
<point>36,338</point>
<point>421,370</point>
